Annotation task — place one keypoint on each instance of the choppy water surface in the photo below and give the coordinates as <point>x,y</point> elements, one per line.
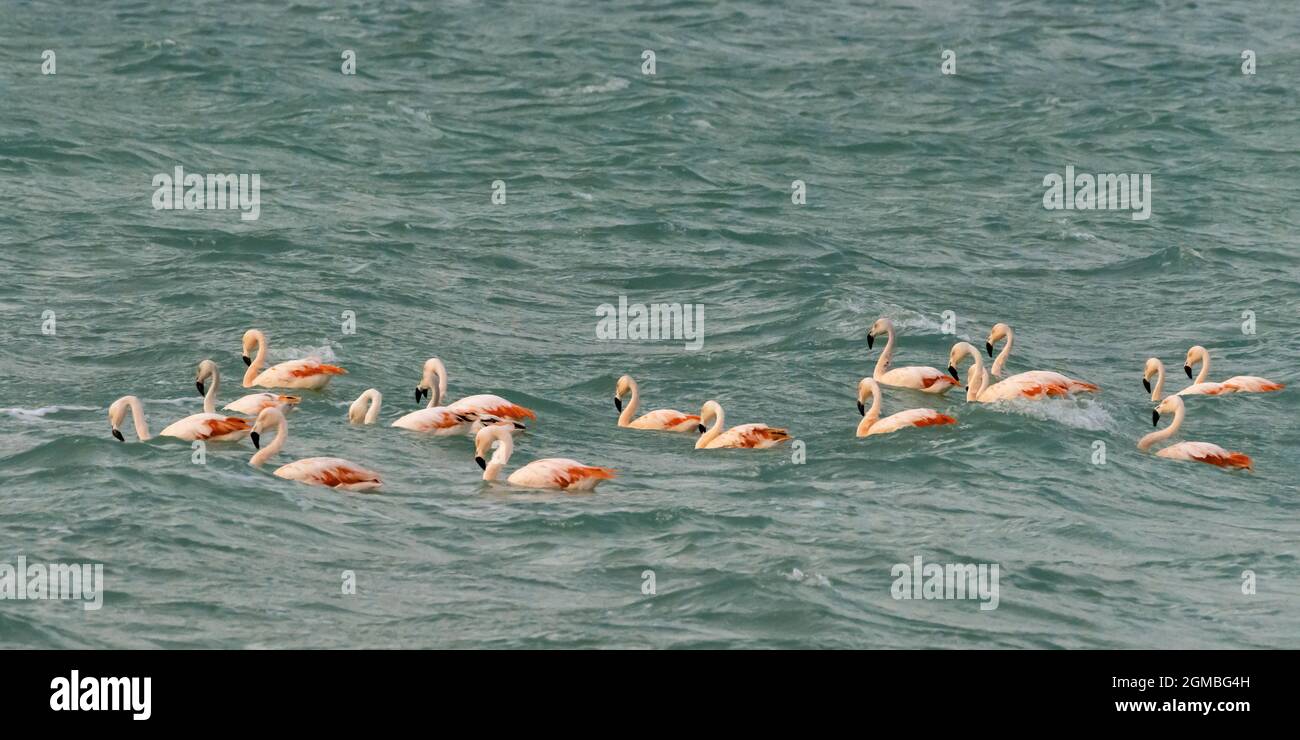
<point>924,196</point>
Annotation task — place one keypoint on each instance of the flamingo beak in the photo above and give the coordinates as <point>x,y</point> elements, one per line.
<point>1155,417</point>
<point>481,462</point>
<point>119,436</point>
<point>871,340</point>
<point>257,440</point>
<point>248,361</point>
<point>989,346</point>
<point>699,428</point>
<point>199,384</point>
<point>618,403</point>
<point>1146,384</point>
<point>953,372</point>
<point>862,410</point>
<point>420,393</point>
<point>1188,369</point>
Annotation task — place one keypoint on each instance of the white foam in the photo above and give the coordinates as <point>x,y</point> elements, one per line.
<point>1078,413</point>
<point>39,413</point>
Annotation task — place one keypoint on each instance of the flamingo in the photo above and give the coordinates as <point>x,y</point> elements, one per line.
<point>1193,451</point>
<point>365,410</point>
<point>1235,384</point>
<point>309,373</point>
<point>250,404</point>
<point>663,420</point>
<point>756,436</point>
<point>550,472</point>
<point>925,379</point>
<point>1035,384</point>
<point>462,416</point>
<point>318,471</point>
<point>872,423</point>
<point>1157,368</point>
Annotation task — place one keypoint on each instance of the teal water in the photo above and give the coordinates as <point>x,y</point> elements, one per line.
<point>924,195</point>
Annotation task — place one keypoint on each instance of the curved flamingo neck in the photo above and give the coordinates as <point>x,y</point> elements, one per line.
<point>979,377</point>
<point>1204,374</point>
<point>873,413</point>
<point>1001,360</point>
<point>719,419</point>
<point>1163,434</point>
<point>210,397</point>
<point>138,420</point>
<point>505,448</point>
<point>1158,389</point>
<point>435,377</point>
<point>629,411</point>
<point>886,355</point>
<point>264,454</point>
<point>255,368</point>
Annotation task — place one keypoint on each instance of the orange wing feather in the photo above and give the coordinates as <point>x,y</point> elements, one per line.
<point>218,427</point>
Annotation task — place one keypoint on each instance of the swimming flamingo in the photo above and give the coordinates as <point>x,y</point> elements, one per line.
<point>1035,384</point>
<point>117,412</point>
<point>250,404</point>
<point>757,436</point>
<point>318,471</point>
<point>664,420</point>
<point>308,373</point>
<point>1157,368</point>
<point>926,379</point>
<point>206,426</point>
<point>462,416</point>
<point>550,472</point>
<point>1235,384</point>
<point>1194,451</point>
<point>365,410</point>
<point>872,423</point>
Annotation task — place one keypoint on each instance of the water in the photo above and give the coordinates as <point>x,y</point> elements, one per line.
<point>924,196</point>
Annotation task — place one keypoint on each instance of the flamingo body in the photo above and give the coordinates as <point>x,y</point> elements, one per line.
<point>333,472</point>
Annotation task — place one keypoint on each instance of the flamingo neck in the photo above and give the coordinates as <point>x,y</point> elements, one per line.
<point>713,431</point>
<point>1001,360</point>
<point>505,448</point>
<point>264,454</point>
<point>1158,389</point>
<point>376,400</point>
<point>1204,374</point>
<point>886,355</point>
<point>210,396</point>
<point>979,378</point>
<point>255,368</point>
<point>633,402</point>
<point>872,415</point>
<point>1166,433</point>
<point>138,420</point>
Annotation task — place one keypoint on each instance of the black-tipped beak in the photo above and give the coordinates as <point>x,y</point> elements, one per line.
<point>199,384</point>
<point>257,440</point>
<point>1155,417</point>
<point>699,428</point>
<point>989,346</point>
<point>618,403</point>
<point>953,372</point>
<point>862,410</point>
<point>119,436</point>
<point>1146,384</point>
<point>871,340</point>
<point>481,462</point>
<point>248,361</point>
<point>1187,369</point>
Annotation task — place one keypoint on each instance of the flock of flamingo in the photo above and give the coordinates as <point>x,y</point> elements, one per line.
<point>494,421</point>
